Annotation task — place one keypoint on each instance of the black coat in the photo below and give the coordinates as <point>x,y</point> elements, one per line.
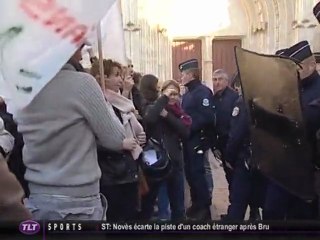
<point>224,103</point>
<point>117,167</point>
<point>170,129</point>
<point>137,99</point>
<point>15,162</point>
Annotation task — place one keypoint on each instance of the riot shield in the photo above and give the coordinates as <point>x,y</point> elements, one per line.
<point>279,145</point>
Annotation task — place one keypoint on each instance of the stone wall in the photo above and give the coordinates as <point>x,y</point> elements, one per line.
<point>147,44</point>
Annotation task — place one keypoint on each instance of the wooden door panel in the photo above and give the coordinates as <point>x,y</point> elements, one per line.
<point>223,54</point>
<point>183,50</point>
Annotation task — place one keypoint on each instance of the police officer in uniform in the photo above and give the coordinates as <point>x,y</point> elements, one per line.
<point>197,102</point>
<point>233,140</point>
<point>279,203</point>
<point>224,100</point>
<point>237,156</point>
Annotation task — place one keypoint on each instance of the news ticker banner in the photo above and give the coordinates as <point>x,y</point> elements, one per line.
<point>53,227</point>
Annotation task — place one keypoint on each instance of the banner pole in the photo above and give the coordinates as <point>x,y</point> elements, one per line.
<point>101,68</point>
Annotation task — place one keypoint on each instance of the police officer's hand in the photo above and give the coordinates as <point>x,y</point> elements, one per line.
<point>129,144</point>
<point>164,113</point>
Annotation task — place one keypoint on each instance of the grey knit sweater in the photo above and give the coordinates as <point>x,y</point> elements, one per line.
<point>60,128</point>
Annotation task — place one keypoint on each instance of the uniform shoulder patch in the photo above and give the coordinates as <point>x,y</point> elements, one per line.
<point>205,102</point>
<point>235,111</point>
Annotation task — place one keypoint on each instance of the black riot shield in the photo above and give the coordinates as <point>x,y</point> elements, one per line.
<point>279,145</point>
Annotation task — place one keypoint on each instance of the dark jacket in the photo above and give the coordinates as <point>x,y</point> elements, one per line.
<point>15,162</point>
<point>198,104</point>
<point>238,144</point>
<point>224,102</point>
<point>117,167</point>
<point>170,129</point>
<point>11,195</point>
<point>137,99</point>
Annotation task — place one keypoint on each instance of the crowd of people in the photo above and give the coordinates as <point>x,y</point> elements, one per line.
<point>82,152</point>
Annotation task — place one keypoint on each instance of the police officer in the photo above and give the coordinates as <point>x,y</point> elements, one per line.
<point>278,200</point>
<point>224,100</point>
<point>197,102</point>
<point>237,158</point>
<point>249,178</point>
<point>233,139</point>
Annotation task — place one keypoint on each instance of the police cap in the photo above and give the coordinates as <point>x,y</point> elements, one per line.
<point>280,51</point>
<point>190,64</point>
<point>299,51</point>
<point>316,11</point>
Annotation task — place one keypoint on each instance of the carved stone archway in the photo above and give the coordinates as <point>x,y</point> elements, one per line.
<point>274,24</point>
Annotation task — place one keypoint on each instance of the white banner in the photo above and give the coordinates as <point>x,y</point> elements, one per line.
<point>113,42</point>
<point>37,37</point>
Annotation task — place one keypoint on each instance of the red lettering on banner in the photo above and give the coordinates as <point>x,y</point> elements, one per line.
<point>77,33</point>
<point>55,17</point>
<point>60,20</point>
<point>44,5</point>
<point>29,9</point>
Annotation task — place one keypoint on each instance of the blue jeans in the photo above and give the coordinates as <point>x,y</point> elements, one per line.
<point>163,203</point>
<point>64,208</point>
<point>175,190</point>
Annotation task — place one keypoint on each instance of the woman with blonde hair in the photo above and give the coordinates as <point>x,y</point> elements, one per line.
<point>165,121</point>
<point>119,182</point>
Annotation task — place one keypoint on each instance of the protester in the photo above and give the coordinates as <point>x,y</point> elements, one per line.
<point>15,162</point>
<point>137,98</point>
<point>130,89</point>
<point>11,193</point>
<point>76,58</point>
<point>178,181</point>
<point>60,128</point>
<point>166,122</point>
<point>119,182</point>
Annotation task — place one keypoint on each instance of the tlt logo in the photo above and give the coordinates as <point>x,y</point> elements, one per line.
<point>29,227</point>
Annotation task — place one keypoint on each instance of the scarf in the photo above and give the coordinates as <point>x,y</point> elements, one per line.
<point>176,110</point>
<point>131,125</point>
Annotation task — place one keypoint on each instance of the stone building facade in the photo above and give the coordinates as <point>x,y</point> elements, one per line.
<point>261,25</point>
<point>147,45</point>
